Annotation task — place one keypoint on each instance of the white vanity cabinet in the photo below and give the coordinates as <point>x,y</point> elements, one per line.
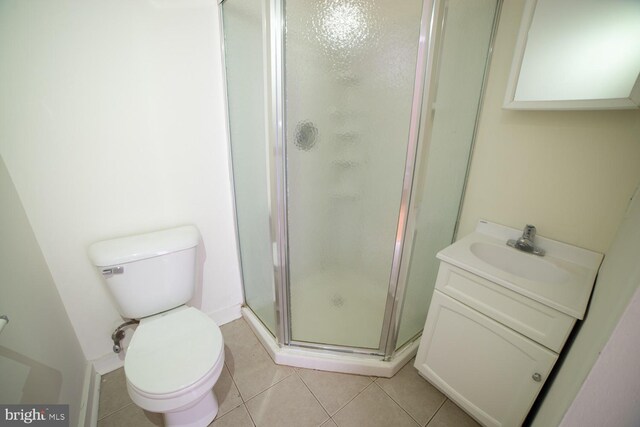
<point>490,344</point>
<point>487,368</point>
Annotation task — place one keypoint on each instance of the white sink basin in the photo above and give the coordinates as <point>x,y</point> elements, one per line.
<point>561,279</point>
<point>527,266</point>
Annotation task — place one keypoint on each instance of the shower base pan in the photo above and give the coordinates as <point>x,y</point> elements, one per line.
<point>326,360</point>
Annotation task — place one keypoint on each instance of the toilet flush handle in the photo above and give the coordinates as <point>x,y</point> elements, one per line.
<point>108,272</point>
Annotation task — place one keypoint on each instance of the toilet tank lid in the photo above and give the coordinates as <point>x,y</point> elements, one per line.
<point>143,246</point>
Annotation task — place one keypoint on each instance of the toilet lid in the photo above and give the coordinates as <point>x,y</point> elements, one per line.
<point>172,351</point>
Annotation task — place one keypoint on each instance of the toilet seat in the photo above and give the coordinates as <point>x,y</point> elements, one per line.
<point>174,352</point>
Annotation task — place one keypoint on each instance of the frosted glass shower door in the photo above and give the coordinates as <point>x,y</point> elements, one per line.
<point>245,55</point>
<point>349,79</point>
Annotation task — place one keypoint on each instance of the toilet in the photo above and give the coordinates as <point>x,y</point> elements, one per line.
<point>176,353</point>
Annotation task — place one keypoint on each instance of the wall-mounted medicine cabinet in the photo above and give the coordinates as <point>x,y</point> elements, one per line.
<point>576,55</point>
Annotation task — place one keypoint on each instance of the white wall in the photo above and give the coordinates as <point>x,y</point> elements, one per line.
<point>611,393</point>
<point>112,123</point>
<point>618,279</point>
<point>571,173</point>
<point>40,358</point>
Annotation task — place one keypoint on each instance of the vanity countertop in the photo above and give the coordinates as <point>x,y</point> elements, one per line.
<point>562,279</point>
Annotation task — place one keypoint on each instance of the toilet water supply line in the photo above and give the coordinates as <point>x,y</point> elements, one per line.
<point>118,334</point>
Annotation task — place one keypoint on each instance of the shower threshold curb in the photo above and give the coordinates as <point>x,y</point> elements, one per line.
<point>323,360</point>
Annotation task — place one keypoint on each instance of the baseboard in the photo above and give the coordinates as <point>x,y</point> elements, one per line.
<point>108,362</point>
<point>88,416</point>
<point>86,395</point>
<point>95,400</point>
<point>227,314</point>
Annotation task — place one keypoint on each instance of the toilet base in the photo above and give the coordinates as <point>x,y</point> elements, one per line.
<point>198,415</point>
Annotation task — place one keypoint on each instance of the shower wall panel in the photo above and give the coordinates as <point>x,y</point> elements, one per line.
<point>468,25</point>
<point>246,60</point>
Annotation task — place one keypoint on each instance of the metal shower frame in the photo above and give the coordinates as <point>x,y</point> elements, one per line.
<point>431,25</point>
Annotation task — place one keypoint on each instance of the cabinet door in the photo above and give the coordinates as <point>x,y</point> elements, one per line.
<point>486,368</point>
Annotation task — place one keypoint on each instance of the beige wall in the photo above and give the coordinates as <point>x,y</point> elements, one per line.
<point>571,173</point>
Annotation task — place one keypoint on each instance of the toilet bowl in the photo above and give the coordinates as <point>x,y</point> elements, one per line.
<point>172,363</point>
<point>176,354</point>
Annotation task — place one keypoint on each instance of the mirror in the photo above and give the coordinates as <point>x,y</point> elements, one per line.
<point>576,55</point>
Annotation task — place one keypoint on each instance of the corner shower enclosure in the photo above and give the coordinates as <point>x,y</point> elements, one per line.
<point>351,125</point>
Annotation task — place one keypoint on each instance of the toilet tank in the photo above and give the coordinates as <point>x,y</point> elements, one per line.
<point>148,273</point>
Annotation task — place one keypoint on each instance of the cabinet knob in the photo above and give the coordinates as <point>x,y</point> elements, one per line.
<point>537,377</point>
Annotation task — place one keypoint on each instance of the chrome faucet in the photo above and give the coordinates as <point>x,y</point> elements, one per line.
<point>525,242</point>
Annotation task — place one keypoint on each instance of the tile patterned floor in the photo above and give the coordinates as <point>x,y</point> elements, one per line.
<point>253,391</point>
